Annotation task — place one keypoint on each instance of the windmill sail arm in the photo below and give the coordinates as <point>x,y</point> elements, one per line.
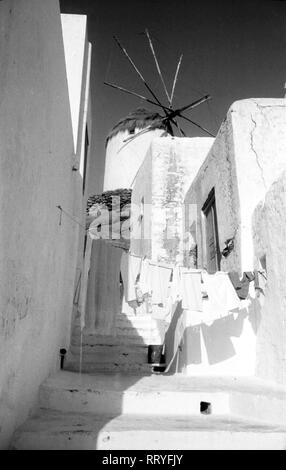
<point>170,113</point>
<point>194,104</point>
<point>137,70</point>
<point>196,124</point>
<point>157,66</point>
<point>117,87</point>
<point>175,79</point>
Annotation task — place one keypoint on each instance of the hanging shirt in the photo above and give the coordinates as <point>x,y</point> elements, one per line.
<point>130,269</point>
<point>159,280</point>
<point>241,285</point>
<point>191,289</point>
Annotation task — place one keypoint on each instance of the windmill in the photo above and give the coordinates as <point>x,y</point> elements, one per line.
<point>170,114</point>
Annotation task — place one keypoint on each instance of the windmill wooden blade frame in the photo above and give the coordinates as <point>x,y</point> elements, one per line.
<point>170,113</point>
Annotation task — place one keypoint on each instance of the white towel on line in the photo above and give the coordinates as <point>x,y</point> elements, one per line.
<point>191,289</point>
<point>159,281</point>
<point>144,280</point>
<point>222,297</point>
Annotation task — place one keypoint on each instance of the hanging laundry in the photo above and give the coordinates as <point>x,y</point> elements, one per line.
<point>191,289</point>
<point>241,285</point>
<point>130,269</point>
<point>211,314</point>
<point>129,308</point>
<point>139,294</point>
<point>251,291</point>
<point>222,297</point>
<point>194,317</point>
<point>260,280</point>
<point>175,291</point>
<point>159,312</point>
<point>144,279</point>
<point>159,280</point>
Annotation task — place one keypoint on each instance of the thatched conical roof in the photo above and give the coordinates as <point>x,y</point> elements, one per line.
<point>139,118</point>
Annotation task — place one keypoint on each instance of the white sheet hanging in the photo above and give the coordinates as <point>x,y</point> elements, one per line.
<point>159,279</point>
<point>191,289</point>
<point>222,297</point>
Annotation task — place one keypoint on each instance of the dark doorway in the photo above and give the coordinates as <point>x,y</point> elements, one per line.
<point>211,234</point>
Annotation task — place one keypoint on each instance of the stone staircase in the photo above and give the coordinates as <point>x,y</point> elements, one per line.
<point>125,350</point>
<point>124,411</point>
<point>116,402</point>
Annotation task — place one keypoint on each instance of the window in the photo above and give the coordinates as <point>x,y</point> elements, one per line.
<point>212,253</point>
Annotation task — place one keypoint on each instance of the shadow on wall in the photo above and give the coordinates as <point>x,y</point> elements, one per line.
<point>217,338</point>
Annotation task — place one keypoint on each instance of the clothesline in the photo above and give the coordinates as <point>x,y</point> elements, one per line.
<point>70,216</point>
<point>162,264</point>
<point>142,276</point>
<point>202,298</point>
<point>179,265</point>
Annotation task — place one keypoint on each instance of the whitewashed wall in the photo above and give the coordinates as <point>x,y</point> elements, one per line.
<point>247,157</point>
<point>37,252</point>
<point>259,139</point>
<point>162,181</point>
<point>123,159</point>
<point>78,54</point>
<point>269,233</point>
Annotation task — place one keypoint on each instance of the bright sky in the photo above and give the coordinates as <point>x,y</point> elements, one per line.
<point>231,50</point>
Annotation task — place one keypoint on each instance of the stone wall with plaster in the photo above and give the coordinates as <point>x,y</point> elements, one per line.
<point>37,247</point>
<point>269,234</point>
<point>218,171</point>
<point>259,138</point>
<point>162,180</point>
<point>247,156</point>
<point>175,163</point>
<point>141,209</point>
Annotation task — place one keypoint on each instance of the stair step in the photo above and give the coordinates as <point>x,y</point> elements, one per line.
<point>53,430</point>
<point>135,320</point>
<point>121,354</point>
<point>134,394</point>
<point>93,339</point>
<point>141,333</point>
<point>104,363</point>
<point>140,391</point>
<point>135,332</point>
<point>93,367</point>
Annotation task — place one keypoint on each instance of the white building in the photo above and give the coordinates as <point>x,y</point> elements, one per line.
<point>227,194</point>
<point>212,190</point>
<point>233,368</point>
<point>45,130</point>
